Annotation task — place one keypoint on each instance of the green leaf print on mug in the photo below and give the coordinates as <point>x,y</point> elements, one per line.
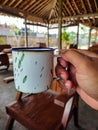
<point>15,59</point>
<point>22,57</point>
<point>25,78</point>
<point>19,64</point>
<point>20,61</point>
<point>18,87</point>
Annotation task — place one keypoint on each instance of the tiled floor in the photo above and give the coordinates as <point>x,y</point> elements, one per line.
<point>88,118</point>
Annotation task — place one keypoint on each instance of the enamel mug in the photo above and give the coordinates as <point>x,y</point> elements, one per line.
<point>33,69</point>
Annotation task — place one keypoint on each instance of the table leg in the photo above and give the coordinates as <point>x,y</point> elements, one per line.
<point>11,120</point>
<point>10,123</point>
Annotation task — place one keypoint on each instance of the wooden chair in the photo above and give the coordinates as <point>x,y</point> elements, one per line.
<point>94,48</point>
<point>48,110</point>
<point>40,44</point>
<point>4,58</point>
<point>4,61</point>
<point>5,47</point>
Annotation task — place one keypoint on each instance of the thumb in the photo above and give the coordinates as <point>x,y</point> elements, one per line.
<point>74,57</point>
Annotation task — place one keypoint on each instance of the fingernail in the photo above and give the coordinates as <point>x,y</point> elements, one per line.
<point>62,75</point>
<point>68,84</point>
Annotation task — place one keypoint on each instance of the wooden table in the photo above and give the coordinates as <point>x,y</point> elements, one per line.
<point>37,111</point>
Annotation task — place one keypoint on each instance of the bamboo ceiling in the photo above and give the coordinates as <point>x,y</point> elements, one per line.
<point>47,11</point>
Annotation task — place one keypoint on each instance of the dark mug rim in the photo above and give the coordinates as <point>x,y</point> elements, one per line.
<point>37,49</point>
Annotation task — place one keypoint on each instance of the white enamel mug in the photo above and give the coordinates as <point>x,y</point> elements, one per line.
<point>33,69</point>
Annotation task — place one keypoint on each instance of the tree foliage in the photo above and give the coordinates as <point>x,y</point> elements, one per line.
<point>65,35</point>
<point>68,37</point>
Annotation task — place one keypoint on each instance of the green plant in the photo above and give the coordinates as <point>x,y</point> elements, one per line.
<point>2,40</point>
<point>65,37</point>
<point>15,28</point>
<point>73,36</point>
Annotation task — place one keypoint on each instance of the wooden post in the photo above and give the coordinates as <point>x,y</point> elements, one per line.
<point>26,35</point>
<point>48,34</point>
<point>77,35</point>
<point>60,25</point>
<point>89,40</point>
<point>96,36</point>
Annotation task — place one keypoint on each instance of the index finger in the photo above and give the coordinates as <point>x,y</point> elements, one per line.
<point>62,62</point>
<point>87,53</point>
<point>74,57</point>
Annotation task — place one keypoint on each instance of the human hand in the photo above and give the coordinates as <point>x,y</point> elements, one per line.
<point>83,74</point>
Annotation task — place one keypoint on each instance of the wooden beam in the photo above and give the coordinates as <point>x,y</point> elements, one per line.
<point>21,4</point>
<point>78,16</point>
<point>82,15</point>
<point>83,20</point>
<point>18,2</point>
<point>28,23</point>
<point>51,12</point>
<point>64,12</point>
<point>16,12</point>
<point>76,7</point>
<point>4,2</point>
<point>40,8</point>
<point>84,6</point>
<point>36,5</point>
<point>11,10</point>
<point>29,4</point>
<point>93,20</point>
<point>89,6</point>
<point>71,7</point>
<point>89,20</point>
<point>96,5</point>
<point>11,2</point>
<point>10,13</point>
<point>56,14</point>
<point>43,9</point>
<point>36,19</point>
<point>69,13</point>
<point>70,25</point>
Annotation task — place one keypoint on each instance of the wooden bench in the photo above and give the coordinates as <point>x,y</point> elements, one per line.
<point>5,46</point>
<point>48,110</point>
<point>94,48</point>
<point>4,61</point>
<point>4,58</point>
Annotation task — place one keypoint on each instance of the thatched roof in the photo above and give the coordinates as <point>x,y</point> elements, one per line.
<point>47,11</point>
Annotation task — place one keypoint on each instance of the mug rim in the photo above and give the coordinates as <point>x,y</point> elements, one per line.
<point>33,49</point>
